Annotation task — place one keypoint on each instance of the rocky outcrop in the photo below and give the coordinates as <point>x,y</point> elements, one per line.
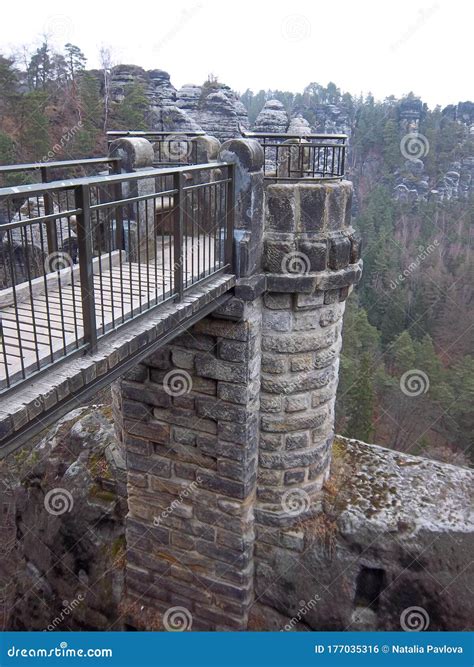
<point>299,125</point>
<point>413,185</point>
<point>215,108</point>
<point>462,113</point>
<point>63,538</point>
<point>389,545</point>
<point>410,111</point>
<point>272,118</point>
<point>389,550</point>
<point>332,119</point>
<point>162,113</point>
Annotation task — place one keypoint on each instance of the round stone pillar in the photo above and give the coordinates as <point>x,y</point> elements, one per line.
<point>311,259</point>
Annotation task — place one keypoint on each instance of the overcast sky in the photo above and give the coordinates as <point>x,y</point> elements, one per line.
<point>388,47</point>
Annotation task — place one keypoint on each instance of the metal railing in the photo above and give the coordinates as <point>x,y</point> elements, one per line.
<point>292,157</point>
<point>45,172</point>
<point>170,148</point>
<point>126,243</point>
<point>48,171</point>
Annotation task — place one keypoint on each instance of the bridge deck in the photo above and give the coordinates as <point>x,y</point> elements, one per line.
<point>40,324</point>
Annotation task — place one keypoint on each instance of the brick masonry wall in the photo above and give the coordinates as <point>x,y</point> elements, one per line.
<point>190,431</point>
<point>301,341</point>
<point>228,431</point>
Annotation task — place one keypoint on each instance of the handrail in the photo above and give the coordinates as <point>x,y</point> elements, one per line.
<point>153,133</point>
<point>297,157</point>
<point>32,166</point>
<point>119,253</point>
<point>34,188</point>
<point>286,135</point>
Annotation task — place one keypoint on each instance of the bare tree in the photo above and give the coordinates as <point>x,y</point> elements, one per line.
<point>106,63</point>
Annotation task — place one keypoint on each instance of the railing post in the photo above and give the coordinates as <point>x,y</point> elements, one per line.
<point>229,216</point>
<point>116,168</point>
<point>51,235</point>
<point>178,260</point>
<point>84,243</point>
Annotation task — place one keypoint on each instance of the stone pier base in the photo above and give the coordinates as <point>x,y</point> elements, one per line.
<point>190,431</point>
<point>301,340</point>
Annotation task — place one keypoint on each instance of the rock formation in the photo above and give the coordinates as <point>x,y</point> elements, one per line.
<point>272,118</point>
<point>299,125</point>
<point>214,108</point>
<point>390,522</point>
<point>162,113</point>
<point>62,541</point>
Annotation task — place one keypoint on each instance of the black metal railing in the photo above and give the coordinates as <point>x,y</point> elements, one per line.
<point>44,172</point>
<point>125,243</point>
<point>293,157</point>
<point>170,148</point>
<point>53,170</point>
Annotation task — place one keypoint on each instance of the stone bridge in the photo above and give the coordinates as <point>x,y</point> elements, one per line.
<point>224,387</point>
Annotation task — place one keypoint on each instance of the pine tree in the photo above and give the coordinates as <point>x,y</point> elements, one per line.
<point>34,134</point>
<point>91,109</point>
<point>40,68</point>
<point>75,60</point>
<point>130,115</point>
<point>361,403</point>
<point>401,354</point>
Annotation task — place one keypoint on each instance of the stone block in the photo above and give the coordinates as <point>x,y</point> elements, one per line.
<point>338,195</point>
<point>339,252</point>
<point>277,301</point>
<point>315,252</point>
<point>281,209</point>
<point>182,358</point>
<point>217,369</point>
<point>312,207</point>
<point>297,440</point>
<point>277,255</point>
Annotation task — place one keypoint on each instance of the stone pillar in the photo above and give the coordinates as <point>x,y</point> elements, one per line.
<point>189,424</point>
<point>228,430</point>
<point>311,261</point>
<point>137,155</point>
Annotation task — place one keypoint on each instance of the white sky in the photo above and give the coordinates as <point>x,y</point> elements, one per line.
<point>386,47</point>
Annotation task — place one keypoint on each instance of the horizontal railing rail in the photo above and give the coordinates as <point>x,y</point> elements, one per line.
<point>294,157</point>
<point>56,164</point>
<point>48,171</point>
<point>125,244</point>
<point>170,148</point>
